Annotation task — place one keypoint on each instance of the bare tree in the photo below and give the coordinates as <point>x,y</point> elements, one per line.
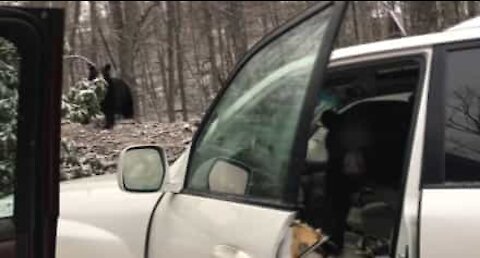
<point>237,28</point>
<point>212,55</point>
<point>423,16</point>
<point>124,23</point>
<point>93,32</point>
<point>180,57</point>
<point>472,8</point>
<point>199,71</point>
<point>183,51</point>
<point>170,90</point>
<point>71,38</point>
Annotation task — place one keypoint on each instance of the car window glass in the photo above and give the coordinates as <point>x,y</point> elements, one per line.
<point>9,81</point>
<point>254,123</point>
<point>462,116</point>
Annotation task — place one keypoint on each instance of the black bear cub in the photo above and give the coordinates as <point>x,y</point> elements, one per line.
<point>118,98</point>
<point>365,144</point>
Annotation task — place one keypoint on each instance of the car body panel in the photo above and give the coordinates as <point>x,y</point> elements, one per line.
<point>97,219</point>
<point>222,218</point>
<point>453,231</point>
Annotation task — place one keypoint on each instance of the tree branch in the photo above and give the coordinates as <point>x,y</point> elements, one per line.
<point>83,58</point>
<point>466,107</point>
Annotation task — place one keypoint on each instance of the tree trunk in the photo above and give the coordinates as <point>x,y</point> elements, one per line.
<point>179,51</point>
<point>237,28</point>
<point>160,54</point>
<point>472,8</point>
<point>108,49</point>
<point>458,5</point>
<point>355,22</point>
<point>150,85</point>
<point>448,13</point>
<point>264,16</point>
<point>68,64</point>
<point>273,10</point>
<point>196,58</point>
<point>170,60</point>
<point>387,23</point>
<point>423,16</point>
<point>116,14</point>
<point>228,50</point>
<point>364,21</point>
<point>72,42</point>
<point>223,70</point>
<point>163,73</point>
<point>93,32</point>
<point>145,96</point>
<point>208,30</point>
<point>127,54</point>
<point>124,23</point>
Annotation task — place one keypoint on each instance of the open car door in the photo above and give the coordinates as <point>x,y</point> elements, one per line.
<point>239,196</point>
<point>31,46</point>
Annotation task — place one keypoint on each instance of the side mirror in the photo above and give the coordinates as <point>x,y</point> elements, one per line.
<point>226,176</point>
<point>142,168</point>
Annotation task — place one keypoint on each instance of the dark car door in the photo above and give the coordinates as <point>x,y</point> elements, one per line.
<point>31,45</point>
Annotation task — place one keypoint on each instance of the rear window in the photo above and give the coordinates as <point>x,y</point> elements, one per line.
<point>462,116</point>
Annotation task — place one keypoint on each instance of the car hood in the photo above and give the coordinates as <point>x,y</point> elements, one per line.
<point>98,219</point>
<point>90,183</point>
<point>95,210</point>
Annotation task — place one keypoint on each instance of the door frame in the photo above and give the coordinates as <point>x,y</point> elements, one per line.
<point>38,37</point>
<point>411,170</point>
<point>300,140</point>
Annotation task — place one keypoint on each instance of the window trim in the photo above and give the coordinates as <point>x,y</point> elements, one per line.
<point>289,202</point>
<point>433,164</point>
<point>421,58</point>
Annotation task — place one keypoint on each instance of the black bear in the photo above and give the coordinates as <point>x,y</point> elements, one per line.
<point>118,97</point>
<point>365,144</point>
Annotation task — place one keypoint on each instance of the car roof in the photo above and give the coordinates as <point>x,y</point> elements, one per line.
<point>468,24</point>
<point>468,30</point>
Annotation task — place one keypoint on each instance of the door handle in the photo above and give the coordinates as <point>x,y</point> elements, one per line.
<point>227,251</point>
